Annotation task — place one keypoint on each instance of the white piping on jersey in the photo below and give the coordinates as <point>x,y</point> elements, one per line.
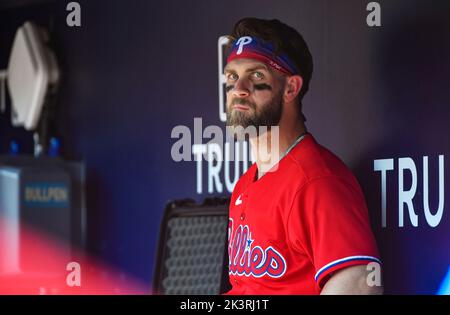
<point>297,141</point>
<point>299,138</point>
<point>343,260</point>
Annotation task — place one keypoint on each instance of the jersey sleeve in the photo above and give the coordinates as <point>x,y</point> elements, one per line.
<point>329,222</point>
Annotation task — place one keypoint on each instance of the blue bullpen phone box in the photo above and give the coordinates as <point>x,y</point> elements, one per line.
<point>43,195</point>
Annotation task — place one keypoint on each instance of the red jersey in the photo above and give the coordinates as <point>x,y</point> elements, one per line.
<point>293,227</point>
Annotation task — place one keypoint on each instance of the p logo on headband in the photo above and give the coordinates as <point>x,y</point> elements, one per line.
<point>241,42</point>
<point>251,47</point>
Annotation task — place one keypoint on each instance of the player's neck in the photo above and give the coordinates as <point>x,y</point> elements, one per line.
<point>269,147</point>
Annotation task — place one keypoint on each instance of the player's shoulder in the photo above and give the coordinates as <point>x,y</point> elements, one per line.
<point>314,161</point>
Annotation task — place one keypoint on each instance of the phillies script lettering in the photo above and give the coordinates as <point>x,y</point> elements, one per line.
<point>249,260</point>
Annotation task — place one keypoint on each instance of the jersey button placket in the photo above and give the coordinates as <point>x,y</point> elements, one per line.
<point>244,206</point>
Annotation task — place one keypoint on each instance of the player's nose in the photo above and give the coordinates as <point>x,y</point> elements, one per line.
<point>241,88</point>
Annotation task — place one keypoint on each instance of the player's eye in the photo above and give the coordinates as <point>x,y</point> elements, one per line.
<point>232,76</point>
<point>258,75</point>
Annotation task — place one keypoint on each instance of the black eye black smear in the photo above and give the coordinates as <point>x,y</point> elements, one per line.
<point>259,87</point>
<point>262,86</point>
<point>229,88</point>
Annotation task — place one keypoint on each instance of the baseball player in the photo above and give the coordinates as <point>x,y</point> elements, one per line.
<point>298,225</point>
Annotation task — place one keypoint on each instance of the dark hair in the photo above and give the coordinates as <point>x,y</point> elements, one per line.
<point>286,40</point>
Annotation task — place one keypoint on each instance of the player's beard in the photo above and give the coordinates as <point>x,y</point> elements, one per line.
<point>268,114</point>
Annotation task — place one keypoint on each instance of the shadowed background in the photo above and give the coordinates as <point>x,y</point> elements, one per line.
<point>136,69</point>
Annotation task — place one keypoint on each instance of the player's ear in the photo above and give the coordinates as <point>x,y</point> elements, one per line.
<point>292,88</point>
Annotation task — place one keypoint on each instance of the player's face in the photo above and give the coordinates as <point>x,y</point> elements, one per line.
<point>254,94</point>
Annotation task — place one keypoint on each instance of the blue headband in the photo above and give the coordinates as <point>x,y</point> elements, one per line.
<point>251,47</point>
